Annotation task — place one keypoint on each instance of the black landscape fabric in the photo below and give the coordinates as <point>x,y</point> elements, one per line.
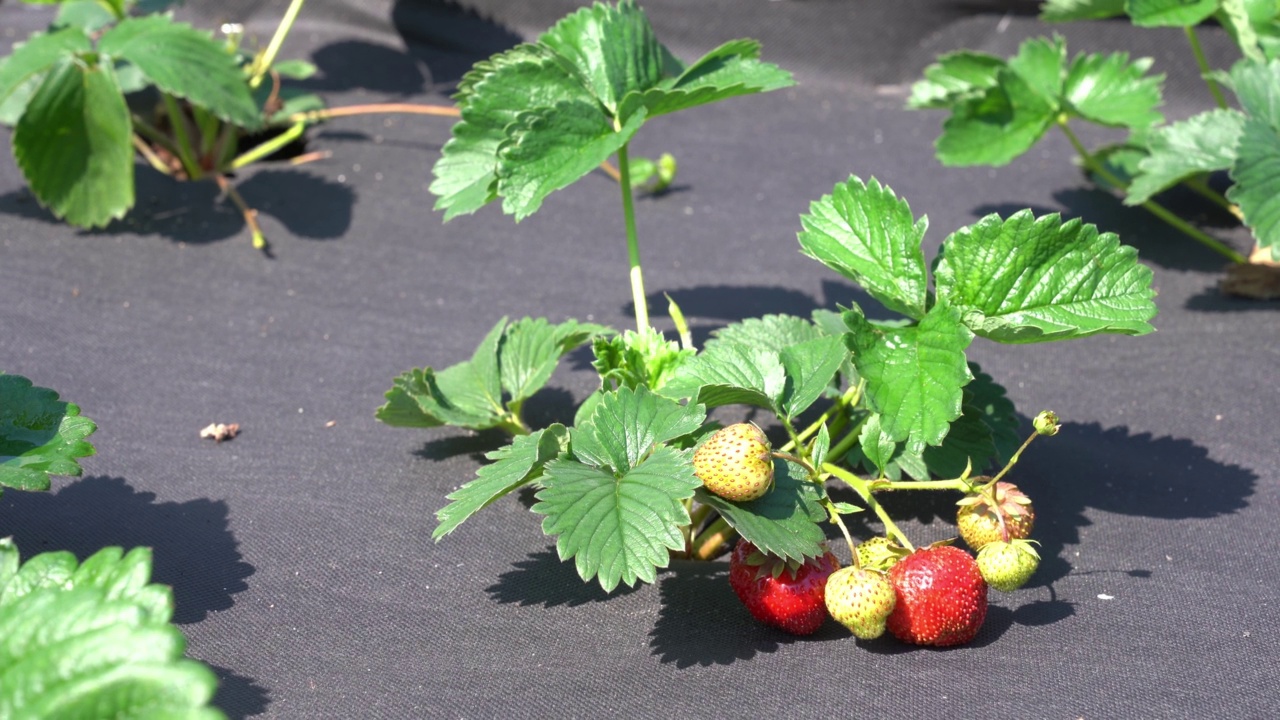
<point>300,553</point>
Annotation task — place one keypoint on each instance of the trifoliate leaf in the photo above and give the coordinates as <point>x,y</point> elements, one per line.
<point>1201,144</point>
<point>531,349</point>
<point>627,424</point>
<point>490,97</point>
<point>1029,279</point>
<point>1110,90</point>
<point>468,394</point>
<point>512,466</point>
<point>550,149</point>
<point>914,375</point>
<point>22,72</point>
<point>187,63</point>
<point>866,233</point>
<point>784,522</point>
<point>730,374</point>
<point>73,144</point>
<point>96,643</point>
<point>809,367</point>
<point>990,399</point>
<point>954,78</point>
<point>618,527</point>
<point>1042,63</point>
<point>996,127</point>
<point>40,435</point>
<point>1069,10</point>
<point>1169,13</point>
<point>1257,182</point>
<point>612,48</point>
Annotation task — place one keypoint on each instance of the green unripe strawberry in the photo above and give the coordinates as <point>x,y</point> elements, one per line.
<point>879,553</point>
<point>981,516</point>
<point>735,463</point>
<point>860,600</point>
<point>1007,566</point>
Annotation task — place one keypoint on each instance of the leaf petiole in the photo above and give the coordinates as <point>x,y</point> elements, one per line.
<point>863,489</point>
<point>1206,72</point>
<point>264,61</point>
<point>633,243</point>
<point>266,148</point>
<point>182,136</point>
<point>708,542</point>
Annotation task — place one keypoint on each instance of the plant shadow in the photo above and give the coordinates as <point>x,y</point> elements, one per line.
<point>448,38</point>
<point>194,213</point>
<point>194,552</point>
<point>239,697</point>
<point>543,579</point>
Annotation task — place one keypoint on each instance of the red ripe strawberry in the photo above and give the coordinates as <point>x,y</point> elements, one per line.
<point>788,596</point>
<point>942,598</point>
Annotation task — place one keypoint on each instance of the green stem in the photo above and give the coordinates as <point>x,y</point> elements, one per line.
<point>1205,70</point>
<point>264,61</point>
<point>1012,461</point>
<point>149,155</point>
<point>178,120</point>
<point>633,244</point>
<point>864,491</point>
<point>1151,206</point>
<point>953,484</point>
<point>850,397</point>
<point>1198,185</point>
<point>263,150</point>
<point>835,518</point>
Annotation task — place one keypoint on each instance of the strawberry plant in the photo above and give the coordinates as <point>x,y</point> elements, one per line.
<point>999,108</point>
<point>857,401</point>
<point>116,78</point>
<point>85,639</point>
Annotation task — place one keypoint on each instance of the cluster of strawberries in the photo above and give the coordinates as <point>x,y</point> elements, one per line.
<point>935,595</point>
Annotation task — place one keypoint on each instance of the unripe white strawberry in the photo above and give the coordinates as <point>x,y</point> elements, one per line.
<point>861,600</point>
<point>1007,566</point>
<point>735,463</point>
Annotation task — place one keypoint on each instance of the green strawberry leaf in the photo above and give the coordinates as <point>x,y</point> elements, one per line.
<point>550,149</point>
<point>295,69</point>
<point>1203,143</point>
<point>1257,182</point>
<point>731,70</point>
<point>72,144</point>
<point>490,97</point>
<point>23,70</point>
<point>969,442</point>
<point>40,435</point>
<point>1257,86</point>
<point>821,446</point>
<point>1029,279</point>
<point>769,332</point>
<point>1237,16</point>
<point>87,15</point>
<point>1170,13</point>
<point>1042,63</point>
<point>991,400</point>
<point>877,449</point>
<point>914,375</point>
<point>93,641</point>
<point>1109,90</point>
<point>618,527</point>
<point>784,522</point>
<point>531,349</point>
<point>997,126</point>
<point>613,50</point>
<point>730,374</point>
<point>1069,10</point>
<point>955,78</point>
<point>866,233</point>
<point>185,62</point>
<point>512,467</point>
<point>628,424</point>
<point>809,367</point>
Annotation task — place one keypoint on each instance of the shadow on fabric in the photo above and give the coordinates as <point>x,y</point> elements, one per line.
<point>193,549</point>
<point>192,212</point>
<point>448,38</point>
<point>239,697</point>
<point>542,579</point>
